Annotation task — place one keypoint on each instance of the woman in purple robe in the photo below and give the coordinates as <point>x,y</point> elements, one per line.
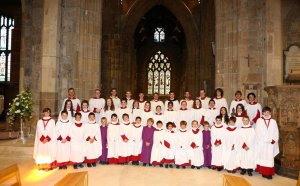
<point>147,137</point>
<point>206,145</point>
<point>103,129</point>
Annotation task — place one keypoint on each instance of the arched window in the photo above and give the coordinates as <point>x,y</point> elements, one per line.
<point>6,26</point>
<point>159,35</point>
<point>159,74</point>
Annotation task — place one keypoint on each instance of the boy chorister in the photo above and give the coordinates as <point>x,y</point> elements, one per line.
<point>147,137</point>
<point>146,113</point>
<point>157,153</point>
<point>203,98</point>
<point>195,145</point>
<point>170,115</point>
<point>115,99</point>
<point>211,113</point>
<point>136,131</point>
<point>123,110</point>
<point>158,115</point>
<point>77,153</point>
<point>92,141</point>
<point>125,141</point>
<point>103,129</point>
<point>217,140</point>
<point>267,136</point>
<point>182,146</point>
<point>128,95</point>
<point>253,108</point>
<point>96,104</point>
<point>63,130</point>
<point>230,146</point>
<point>113,136</point>
<point>141,101</point>
<point>169,146</point>
<point>45,141</point>
<point>207,145</point>
<point>85,111</point>
<point>135,111</point>
<point>184,114</point>
<point>172,99</point>
<point>246,147</point>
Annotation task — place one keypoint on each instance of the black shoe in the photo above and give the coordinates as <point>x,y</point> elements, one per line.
<point>269,177</point>
<point>199,167</point>
<point>80,165</point>
<point>249,172</point>
<point>150,165</point>
<point>137,163</point>
<point>233,172</point>
<point>170,165</point>
<point>243,171</point>
<point>192,166</point>
<point>161,165</point>
<point>144,164</point>
<point>89,165</point>
<point>60,168</point>
<point>219,169</point>
<point>213,168</point>
<point>177,167</point>
<point>209,167</point>
<point>94,164</point>
<point>75,166</point>
<point>166,166</point>
<point>183,167</point>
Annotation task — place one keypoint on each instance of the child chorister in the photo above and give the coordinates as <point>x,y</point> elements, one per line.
<point>207,145</point>
<point>103,129</point>
<point>45,141</point>
<point>63,147</point>
<point>136,132</point>
<point>158,115</point>
<point>92,141</point>
<point>253,108</point>
<point>77,142</point>
<point>169,146</point>
<point>146,113</point>
<point>195,146</point>
<point>170,115</point>
<point>219,99</point>
<point>125,141</point>
<point>184,114</point>
<point>267,137</point>
<point>113,136</point>
<point>157,153</point>
<point>123,110</point>
<point>182,146</point>
<point>85,111</point>
<point>238,100</point>
<point>69,108</point>
<point>155,102</point>
<point>136,111</point>
<point>217,139</point>
<point>147,137</point>
<point>108,110</point>
<point>198,113</point>
<point>96,104</point>
<point>247,147</point>
<point>230,147</point>
<point>211,113</point>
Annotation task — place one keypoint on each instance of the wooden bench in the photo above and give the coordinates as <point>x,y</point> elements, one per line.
<point>74,179</point>
<point>9,173</point>
<point>229,180</point>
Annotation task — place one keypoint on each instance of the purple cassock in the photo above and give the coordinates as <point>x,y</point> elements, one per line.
<point>103,131</point>
<point>147,136</point>
<point>206,151</point>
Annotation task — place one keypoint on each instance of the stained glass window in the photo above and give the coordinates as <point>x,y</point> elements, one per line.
<point>159,35</point>
<point>6,27</point>
<point>159,74</point>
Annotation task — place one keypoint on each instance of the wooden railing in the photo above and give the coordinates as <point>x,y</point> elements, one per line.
<point>229,180</point>
<point>9,173</point>
<point>74,179</point>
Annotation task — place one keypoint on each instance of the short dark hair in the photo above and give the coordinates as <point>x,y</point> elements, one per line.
<point>232,119</point>
<point>251,93</point>
<point>64,112</point>
<point>159,122</point>
<point>91,114</point>
<point>124,99</point>
<point>221,90</point>
<point>114,115</point>
<point>138,117</point>
<point>238,92</point>
<point>211,101</point>
<point>47,110</point>
<point>170,103</point>
<point>125,114</point>
<point>205,123</point>
<point>265,109</point>
<point>247,117</point>
<point>219,117</point>
<point>170,123</point>
<point>183,122</point>
<point>78,114</point>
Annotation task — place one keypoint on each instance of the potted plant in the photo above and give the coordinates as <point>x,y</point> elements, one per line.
<point>20,110</point>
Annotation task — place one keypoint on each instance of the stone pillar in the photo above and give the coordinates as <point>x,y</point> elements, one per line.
<point>239,46</point>
<point>273,60</point>
<point>50,54</point>
<point>285,103</point>
<point>80,48</point>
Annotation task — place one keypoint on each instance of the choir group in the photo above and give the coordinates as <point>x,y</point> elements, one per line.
<point>203,132</point>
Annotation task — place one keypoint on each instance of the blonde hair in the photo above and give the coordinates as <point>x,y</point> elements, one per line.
<point>150,120</point>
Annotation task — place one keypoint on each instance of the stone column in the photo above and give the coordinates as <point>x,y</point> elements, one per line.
<point>50,54</point>
<point>273,59</point>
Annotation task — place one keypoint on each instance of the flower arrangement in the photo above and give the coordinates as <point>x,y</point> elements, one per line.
<point>21,107</point>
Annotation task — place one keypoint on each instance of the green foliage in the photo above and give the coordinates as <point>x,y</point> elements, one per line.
<point>21,107</point>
